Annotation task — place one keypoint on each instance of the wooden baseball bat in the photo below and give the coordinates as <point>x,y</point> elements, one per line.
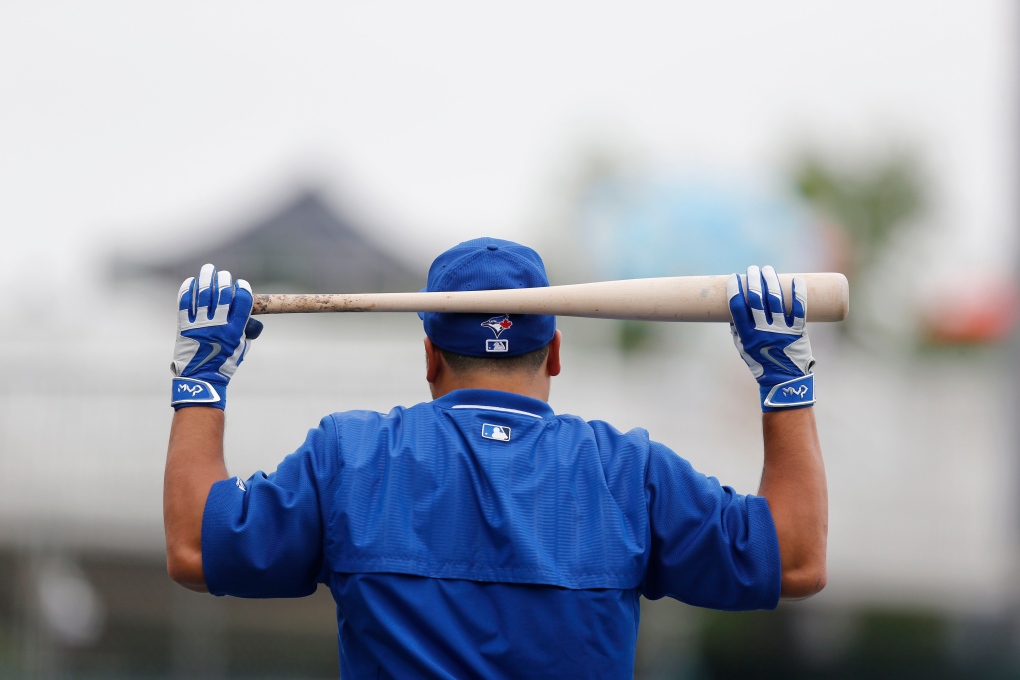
<point>675,298</point>
<point>681,298</point>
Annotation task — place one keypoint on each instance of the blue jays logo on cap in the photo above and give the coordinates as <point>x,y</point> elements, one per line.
<point>498,324</point>
<point>500,433</point>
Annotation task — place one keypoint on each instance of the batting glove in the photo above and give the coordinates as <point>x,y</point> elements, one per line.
<point>213,334</point>
<point>773,344</point>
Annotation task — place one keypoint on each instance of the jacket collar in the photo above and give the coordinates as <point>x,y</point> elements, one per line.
<point>494,399</point>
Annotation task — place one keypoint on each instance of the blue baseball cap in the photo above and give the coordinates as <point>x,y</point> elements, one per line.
<point>488,264</point>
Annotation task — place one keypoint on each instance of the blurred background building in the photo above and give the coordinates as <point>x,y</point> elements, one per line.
<point>339,148</point>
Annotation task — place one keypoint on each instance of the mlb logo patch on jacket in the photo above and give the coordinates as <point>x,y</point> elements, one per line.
<point>498,432</point>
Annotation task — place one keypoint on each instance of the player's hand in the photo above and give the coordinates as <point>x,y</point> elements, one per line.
<point>773,344</point>
<point>214,331</point>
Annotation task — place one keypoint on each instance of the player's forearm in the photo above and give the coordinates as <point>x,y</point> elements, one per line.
<point>793,482</point>
<point>194,462</point>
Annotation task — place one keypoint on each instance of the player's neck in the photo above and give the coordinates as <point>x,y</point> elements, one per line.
<point>535,386</point>
<point>443,380</point>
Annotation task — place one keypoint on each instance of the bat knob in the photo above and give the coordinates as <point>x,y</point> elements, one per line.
<point>253,329</point>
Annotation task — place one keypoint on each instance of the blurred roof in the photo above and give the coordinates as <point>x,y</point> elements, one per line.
<point>305,244</point>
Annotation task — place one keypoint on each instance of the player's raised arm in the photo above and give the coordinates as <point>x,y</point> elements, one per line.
<point>213,335</point>
<point>775,346</point>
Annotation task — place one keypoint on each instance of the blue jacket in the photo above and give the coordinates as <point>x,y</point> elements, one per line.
<point>482,535</point>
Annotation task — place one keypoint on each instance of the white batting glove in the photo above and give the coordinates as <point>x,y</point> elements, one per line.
<point>214,332</point>
<point>773,344</point>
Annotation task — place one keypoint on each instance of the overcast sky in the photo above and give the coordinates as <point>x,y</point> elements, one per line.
<point>149,122</point>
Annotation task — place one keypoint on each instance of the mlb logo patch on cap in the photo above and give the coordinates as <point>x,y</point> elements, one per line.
<point>498,432</point>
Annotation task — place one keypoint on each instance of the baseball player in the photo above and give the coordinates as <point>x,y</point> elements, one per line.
<point>481,534</point>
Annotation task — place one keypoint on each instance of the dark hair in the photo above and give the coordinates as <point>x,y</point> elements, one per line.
<point>530,362</point>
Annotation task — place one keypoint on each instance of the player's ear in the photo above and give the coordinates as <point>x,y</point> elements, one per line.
<point>552,362</point>
<point>432,361</point>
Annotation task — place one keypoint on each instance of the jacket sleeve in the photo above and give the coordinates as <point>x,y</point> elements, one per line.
<point>263,537</point>
<point>709,546</point>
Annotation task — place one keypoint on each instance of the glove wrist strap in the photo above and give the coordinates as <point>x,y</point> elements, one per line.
<point>193,392</point>
<point>795,393</point>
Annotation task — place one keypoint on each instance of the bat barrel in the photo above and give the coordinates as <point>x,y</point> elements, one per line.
<point>680,298</point>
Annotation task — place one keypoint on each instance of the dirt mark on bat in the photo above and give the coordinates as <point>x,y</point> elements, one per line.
<point>276,303</point>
